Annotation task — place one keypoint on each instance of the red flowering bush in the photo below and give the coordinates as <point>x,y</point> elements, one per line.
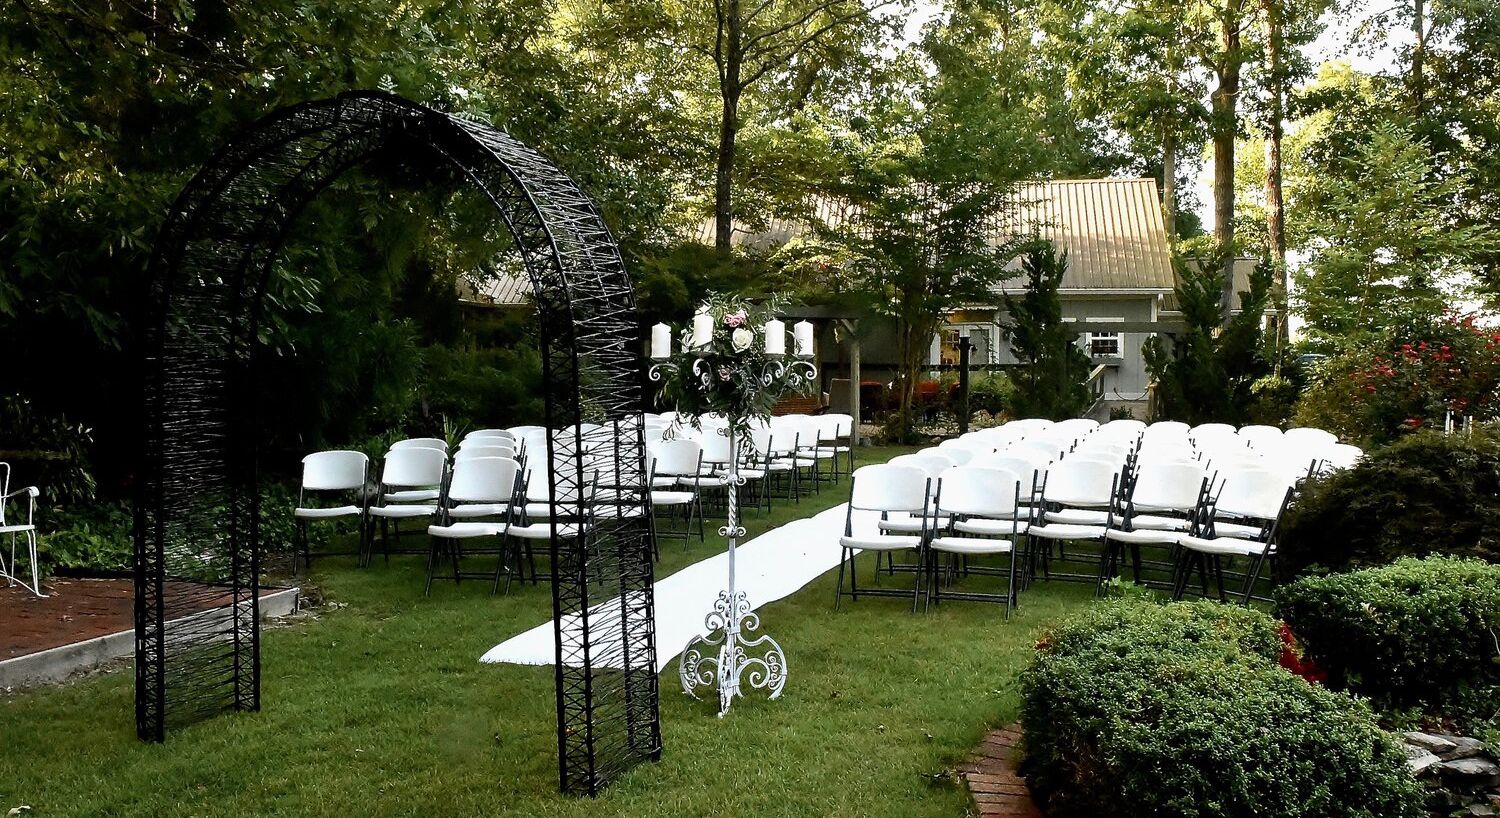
<point>1293,658</point>
<point>1411,381</point>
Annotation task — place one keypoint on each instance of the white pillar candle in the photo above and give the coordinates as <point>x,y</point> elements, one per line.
<point>804,334</point>
<point>703,329</point>
<point>661,341</point>
<point>775,337</point>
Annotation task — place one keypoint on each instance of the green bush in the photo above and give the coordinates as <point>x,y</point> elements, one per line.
<point>1427,494</point>
<point>1416,634</point>
<point>1138,709</point>
<point>95,537</point>
<point>992,392</point>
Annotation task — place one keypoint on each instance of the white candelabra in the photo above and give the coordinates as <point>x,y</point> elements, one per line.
<point>728,656</point>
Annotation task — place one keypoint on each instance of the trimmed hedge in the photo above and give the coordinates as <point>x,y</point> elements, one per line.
<point>1415,634</point>
<point>1137,709</point>
<point>1428,494</point>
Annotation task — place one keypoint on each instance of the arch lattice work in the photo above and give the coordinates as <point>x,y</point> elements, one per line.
<point>196,535</point>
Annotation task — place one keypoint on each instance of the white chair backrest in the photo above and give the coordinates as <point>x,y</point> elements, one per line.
<point>889,487</point>
<point>677,458</point>
<point>471,452</point>
<point>1080,482</point>
<point>1050,449</point>
<point>499,433</point>
<point>1342,455</point>
<point>1168,427</point>
<point>1173,486</point>
<point>483,480</point>
<point>1028,468</point>
<point>960,455</point>
<point>1030,426</point>
<point>1256,492</point>
<point>1309,439</point>
<point>979,491</point>
<point>1124,426</point>
<point>828,427</point>
<point>1259,436</point>
<point>716,449</point>
<point>844,425</point>
<point>413,467</point>
<point>930,461</point>
<point>421,443</point>
<point>1076,426</point>
<point>1211,429</point>
<point>336,470</point>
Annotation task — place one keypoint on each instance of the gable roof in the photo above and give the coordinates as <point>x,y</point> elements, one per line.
<point>1111,230</point>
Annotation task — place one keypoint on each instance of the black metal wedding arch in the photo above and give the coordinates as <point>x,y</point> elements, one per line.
<point>196,538</point>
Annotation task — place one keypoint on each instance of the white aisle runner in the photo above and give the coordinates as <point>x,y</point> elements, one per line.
<point>774,565</point>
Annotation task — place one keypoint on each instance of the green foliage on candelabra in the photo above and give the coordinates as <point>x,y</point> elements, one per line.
<point>731,375</point>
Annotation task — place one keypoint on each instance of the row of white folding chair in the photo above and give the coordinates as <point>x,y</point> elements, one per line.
<point>974,497</point>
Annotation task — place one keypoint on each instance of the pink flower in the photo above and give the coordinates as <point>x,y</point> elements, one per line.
<point>725,373</point>
<point>736,319</point>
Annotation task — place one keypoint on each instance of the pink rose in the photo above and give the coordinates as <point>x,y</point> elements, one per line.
<point>736,319</point>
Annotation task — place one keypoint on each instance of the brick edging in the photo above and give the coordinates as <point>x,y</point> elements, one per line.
<point>990,773</point>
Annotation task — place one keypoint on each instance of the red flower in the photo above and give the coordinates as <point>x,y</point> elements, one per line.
<point>1293,661</point>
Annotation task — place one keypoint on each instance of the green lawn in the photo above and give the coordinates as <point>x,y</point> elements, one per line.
<point>380,707</point>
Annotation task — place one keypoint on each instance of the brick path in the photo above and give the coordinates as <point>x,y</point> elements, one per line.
<point>998,790</point>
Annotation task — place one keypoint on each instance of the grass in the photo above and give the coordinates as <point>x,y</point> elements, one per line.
<point>380,707</point>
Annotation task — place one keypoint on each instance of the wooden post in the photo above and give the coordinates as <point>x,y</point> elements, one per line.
<point>851,326</point>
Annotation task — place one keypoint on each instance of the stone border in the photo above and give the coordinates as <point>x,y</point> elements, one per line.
<point>57,664</point>
<point>990,773</point>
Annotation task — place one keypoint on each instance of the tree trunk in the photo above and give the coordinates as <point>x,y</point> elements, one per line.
<point>1275,203</point>
<point>1419,56</point>
<point>1169,182</point>
<point>729,124</point>
<point>1224,103</point>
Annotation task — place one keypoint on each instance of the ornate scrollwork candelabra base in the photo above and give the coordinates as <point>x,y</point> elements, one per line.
<point>726,657</point>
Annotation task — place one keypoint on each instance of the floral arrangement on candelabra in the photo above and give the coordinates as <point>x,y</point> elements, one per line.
<point>731,361</point>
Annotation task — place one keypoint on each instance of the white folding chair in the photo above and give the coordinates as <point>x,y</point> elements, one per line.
<point>481,487</point>
<point>421,443</point>
<point>1073,489</point>
<point>677,464</point>
<point>1158,510</point>
<point>567,512</point>
<point>411,481</point>
<point>19,531</point>
<point>1256,497</point>
<point>884,489</point>
<point>333,471</point>
<point>980,505</point>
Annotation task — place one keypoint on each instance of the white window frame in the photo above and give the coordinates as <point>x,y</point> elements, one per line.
<point>1094,338</point>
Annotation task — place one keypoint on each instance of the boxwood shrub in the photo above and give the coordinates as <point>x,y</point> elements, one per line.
<point>1137,709</point>
<point>1420,633</point>
<point>1430,493</point>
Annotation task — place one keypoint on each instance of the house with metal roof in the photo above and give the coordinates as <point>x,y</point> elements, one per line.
<point>1115,291</point>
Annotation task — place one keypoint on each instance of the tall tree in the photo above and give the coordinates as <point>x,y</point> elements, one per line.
<point>1382,250</point>
<point>1225,59</point>
<point>1129,70</point>
<point>1052,383</point>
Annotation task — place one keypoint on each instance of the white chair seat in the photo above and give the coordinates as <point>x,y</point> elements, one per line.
<point>1228,546</point>
<point>972,545</point>
<point>1077,516</point>
<point>671,498</point>
<point>545,511</point>
<point>912,525</point>
<point>832,450</point>
<point>543,531</point>
<point>400,512</point>
<point>711,481</point>
<point>663,482</point>
<point>1154,522</point>
<point>1063,531</point>
<point>990,528</point>
<point>1145,536</point>
<point>876,542</point>
<point>325,513</point>
<point>464,531</point>
<point>479,510</point>
<point>412,496</point>
<point>1238,531</point>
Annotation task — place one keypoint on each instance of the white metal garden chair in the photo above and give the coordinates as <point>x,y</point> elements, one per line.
<point>17,531</point>
<point>1158,510</point>
<point>1075,492</point>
